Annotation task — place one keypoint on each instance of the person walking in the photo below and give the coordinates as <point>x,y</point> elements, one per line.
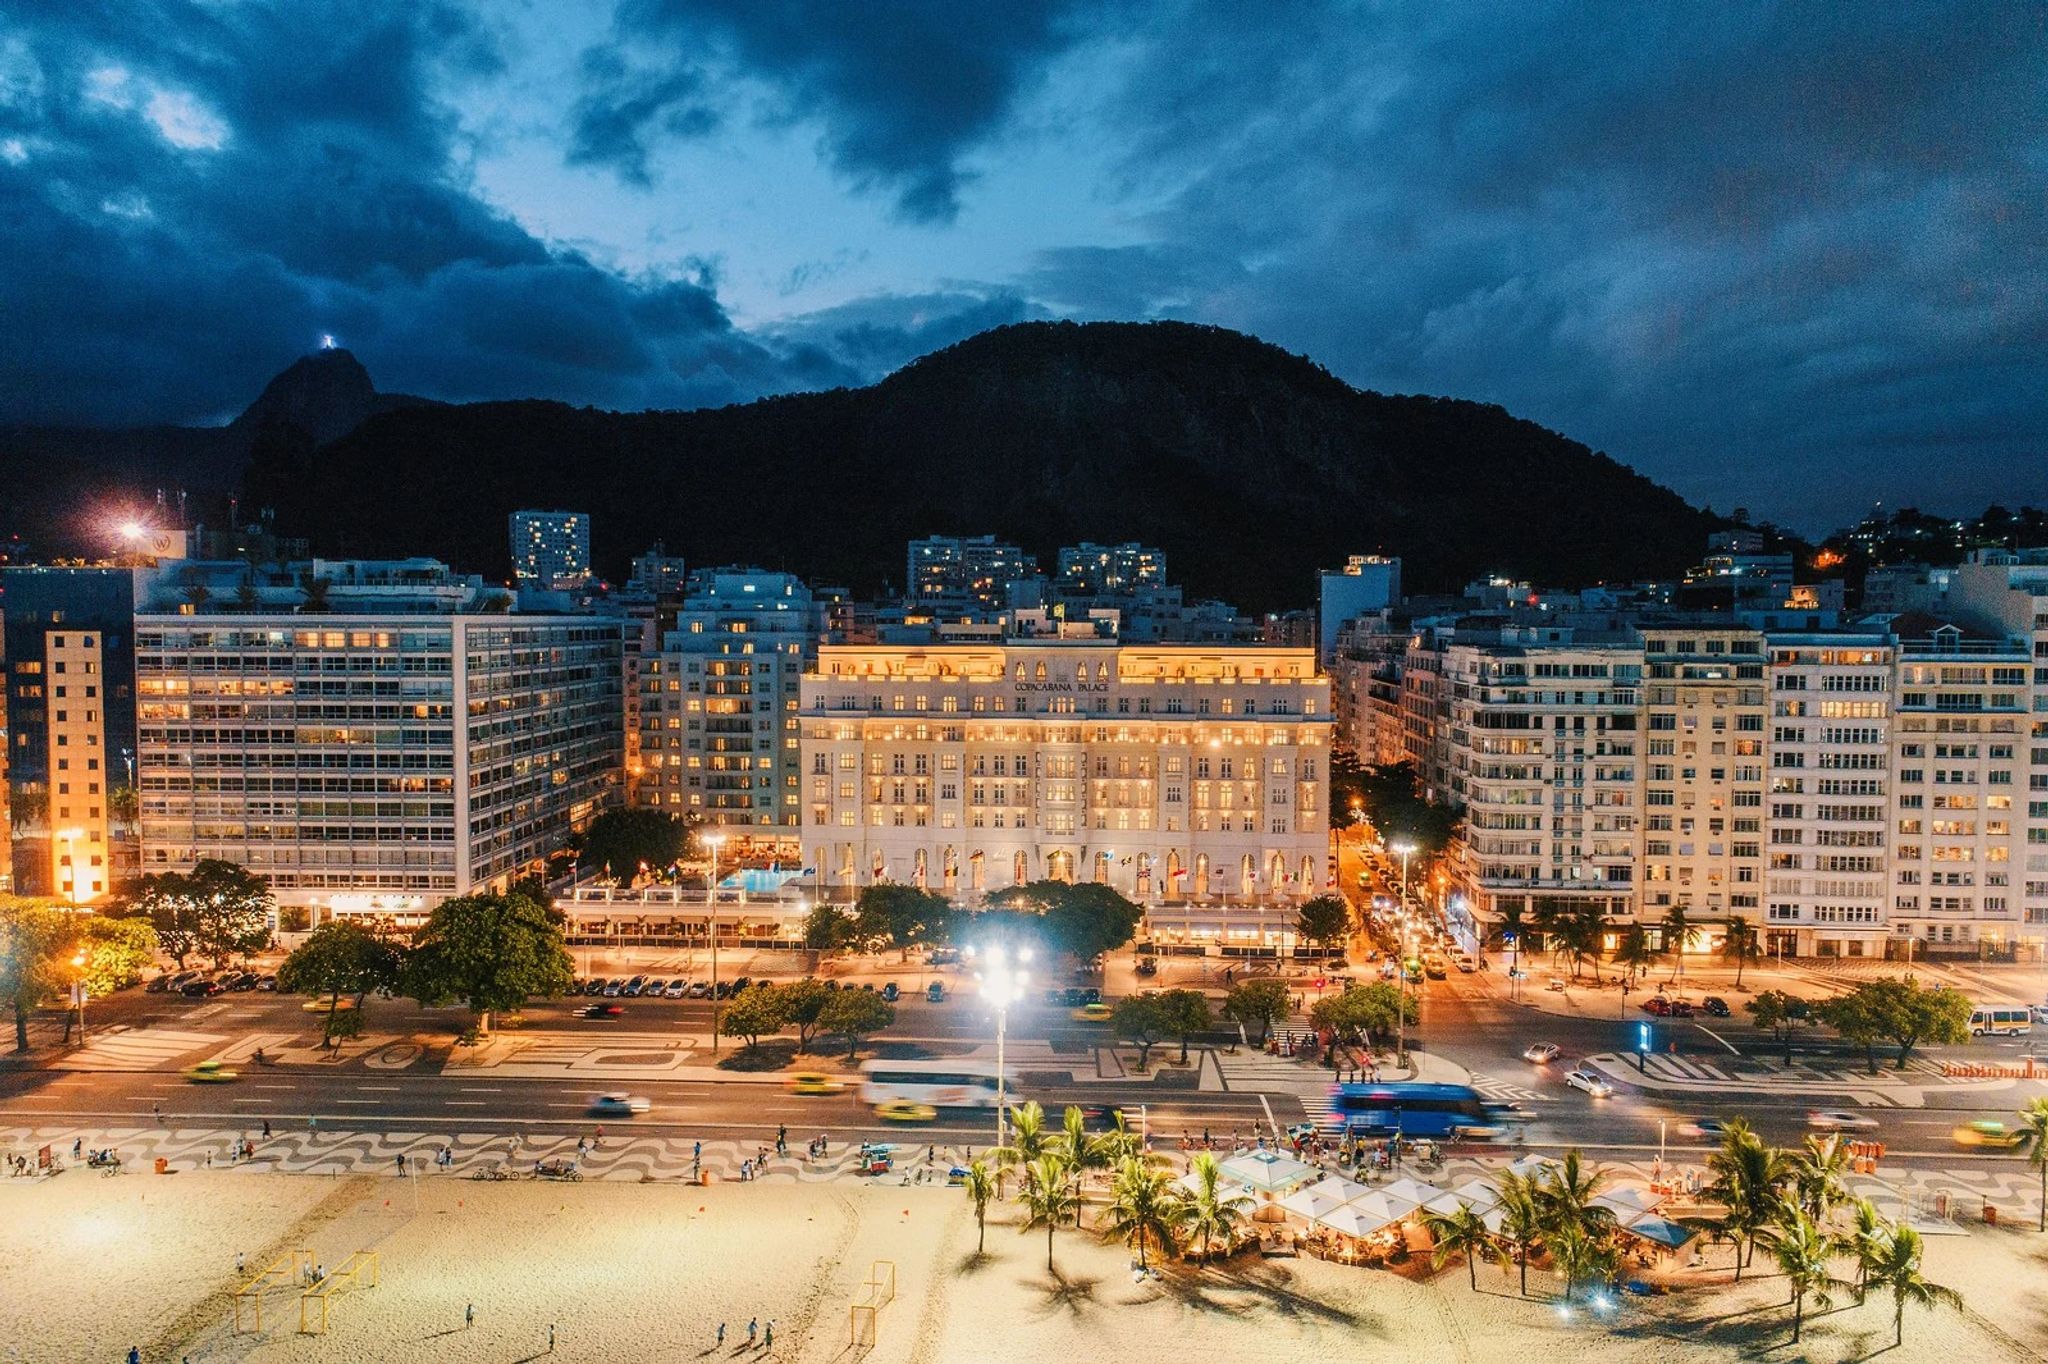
<point>768,1338</point>
<point>551,1337</point>
<point>134,1354</point>
<point>158,1110</point>
<point>753,1330</point>
<point>399,1161</point>
<point>469,1316</point>
<point>781,1139</point>
<point>719,1344</point>
<point>266,1129</point>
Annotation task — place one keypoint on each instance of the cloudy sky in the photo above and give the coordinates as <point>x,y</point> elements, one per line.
<point>1792,256</point>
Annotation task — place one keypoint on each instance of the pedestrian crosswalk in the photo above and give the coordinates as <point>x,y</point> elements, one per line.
<point>1506,1091</point>
<point>120,1048</point>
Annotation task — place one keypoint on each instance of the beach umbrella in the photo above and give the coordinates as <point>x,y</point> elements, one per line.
<point>1268,1171</point>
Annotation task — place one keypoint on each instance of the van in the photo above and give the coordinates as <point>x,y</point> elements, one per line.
<point>2000,1020</point>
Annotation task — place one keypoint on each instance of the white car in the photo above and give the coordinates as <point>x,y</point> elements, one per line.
<point>1588,1081</point>
<point>1835,1120</point>
<point>1541,1053</point>
<point>619,1105</point>
<point>677,988</point>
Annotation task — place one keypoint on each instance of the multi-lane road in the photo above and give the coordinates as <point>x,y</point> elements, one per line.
<point>405,1076</point>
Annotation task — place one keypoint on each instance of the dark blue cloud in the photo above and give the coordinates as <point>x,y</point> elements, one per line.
<point>903,90</point>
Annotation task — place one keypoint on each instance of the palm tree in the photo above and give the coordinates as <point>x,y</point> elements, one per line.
<point>1867,1241</point>
<point>1817,1170</point>
<point>1580,1252</point>
<point>1461,1232</point>
<point>1741,945</point>
<point>1118,1144</point>
<point>2034,1117</point>
<point>1510,925</point>
<point>1028,1138</point>
<point>1521,1218</point>
<point>1076,1147</point>
<point>1049,1198</point>
<point>1211,1210</point>
<point>1677,933</point>
<point>1635,955</point>
<point>980,1184</point>
<point>1143,1207</point>
<point>1898,1269</point>
<point>1746,1178</point>
<point>1565,1196</point>
<point>1804,1254</point>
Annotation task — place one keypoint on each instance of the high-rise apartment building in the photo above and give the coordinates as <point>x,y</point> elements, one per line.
<point>550,549</point>
<point>1092,570</point>
<point>1543,752</point>
<point>1367,584</point>
<point>963,572</point>
<point>1191,779</point>
<point>68,715</point>
<point>377,759</point>
<point>718,704</point>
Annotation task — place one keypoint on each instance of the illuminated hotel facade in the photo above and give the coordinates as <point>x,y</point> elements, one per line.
<point>1192,779</point>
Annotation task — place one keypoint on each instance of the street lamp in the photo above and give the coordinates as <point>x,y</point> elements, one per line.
<point>712,842</point>
<point>1402,848</point>
<point>78,991</point>
<point>1002,982</point>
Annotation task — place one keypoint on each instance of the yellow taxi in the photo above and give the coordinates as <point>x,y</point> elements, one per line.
<point>1093,1013</point>
<point>319,1004</point>
<point>815,1082</point>
<point>1989,1132</point>
<point>905,1110</point>
<point>212,1073</point>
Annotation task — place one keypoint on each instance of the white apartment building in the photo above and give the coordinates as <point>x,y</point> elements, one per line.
<point>1703,771</point>
<point>550,549</point>
<point>718,705</point>
<point>1192,779</point>
<point>1830,800</point>
<point>1543,753</point>
<point>373,763</point>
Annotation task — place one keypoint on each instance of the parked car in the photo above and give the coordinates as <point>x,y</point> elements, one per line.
<point>1658,1005</point>
<point>1589,1082</point>
<point>935,993</point>
<point>618,1105</point>
<point>891,992</point>
<point>1714,1005</point>
<point>612,988</point>
<point>1680,1009</point>
<point>243,982</point>
<point>653,989</point>
<point>157,984</point>
<point>700,989</point>
<point>1541,1053</point>
<point>203,988</point>
<point>1467,963</point>
<point>1148,966</point>
<point>266,982</point>
<point>634,987</point>
<point>1839,1120</point>
<point>677,989</point>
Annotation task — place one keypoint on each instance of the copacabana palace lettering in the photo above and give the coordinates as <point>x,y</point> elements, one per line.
<point>1185,776</point>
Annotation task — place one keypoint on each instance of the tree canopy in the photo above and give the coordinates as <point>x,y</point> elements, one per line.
<point>117,951</point>
<point>1364,1010</point>
<point>1900,1011</point>
<point>218,910</point>
<point>489,952</point>
<point>1082,919</point>
<point>898,916</point>
<point>341,958</point>
<point>1258,1002</point>
<point>1325,920</point>
<point>625,843</point>
<point>854,1014</point>
<point>33,936</point>
<point>752,1014</point>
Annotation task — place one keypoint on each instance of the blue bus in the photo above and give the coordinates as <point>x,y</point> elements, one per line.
<point>1411,1110</point>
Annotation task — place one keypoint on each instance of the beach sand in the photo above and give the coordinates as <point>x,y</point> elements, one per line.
<point>90,1266</point>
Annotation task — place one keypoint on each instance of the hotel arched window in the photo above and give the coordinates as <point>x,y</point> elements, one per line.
<point>1019,869</point>
<point>1247,875</point>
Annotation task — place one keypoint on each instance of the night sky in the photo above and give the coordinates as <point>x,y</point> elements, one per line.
<point>1788,256</point>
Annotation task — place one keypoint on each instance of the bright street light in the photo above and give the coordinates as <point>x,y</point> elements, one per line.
<point>1002,978</point>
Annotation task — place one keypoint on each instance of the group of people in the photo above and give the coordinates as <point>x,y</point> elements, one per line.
<point>755,1337</point>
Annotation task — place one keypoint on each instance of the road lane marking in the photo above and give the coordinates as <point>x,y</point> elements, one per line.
<point>366,1088</point>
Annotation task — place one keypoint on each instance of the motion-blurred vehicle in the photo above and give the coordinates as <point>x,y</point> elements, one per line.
<point>1839,1120</point>
<point>815,1082</point>
<point>1589,1082</point>
<point>904,1110</point>
<point>212,1073</point>
<point>618,1105</point>
<point>1715,1006</point>
<point>318,1004</point>
<point>1989,1133</point>
<point>1092,1013</point>
<point>1541,1053</point>
<point>1713,1129</point>
<point>601,1010</point>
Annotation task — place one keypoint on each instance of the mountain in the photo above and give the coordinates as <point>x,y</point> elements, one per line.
<point>62,482</point>
<point>1252,468</point>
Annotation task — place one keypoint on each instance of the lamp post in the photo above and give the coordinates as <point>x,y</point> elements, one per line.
<point>78,991</point>
<point>712,841</point>
<point>1402,849</point>
<point>1002,984</point>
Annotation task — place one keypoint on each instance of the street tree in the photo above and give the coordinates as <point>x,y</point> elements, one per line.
<point>166,899</point>
<point>34,961</point>
<point>1742,945</point>
<point>898,916</point>
<point>1140,1019</point>
<point>1258,1002</point>
<point>800,1002</point>
<point>231,908</point>
<point>1143,1208</point>
<point>1902,1012</point>
<point>1185,1013</point>
<point>1083,920</point>
<point>1521,1219</point>
<point>827,928</point>
<point>1779,1014</point>
<point>1678,931</point>
<point>337,959</point>
<point>1896,1270</point>
<point>629,843</point>
<point>853,1015</point>
<point>1325,921</point>
<point>752,1014</point>
<point>489,952</point>
<point>1365,1011</point>
<point>117,951</point>
<point>1634,955</point>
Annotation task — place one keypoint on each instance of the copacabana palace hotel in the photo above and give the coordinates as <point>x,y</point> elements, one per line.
<point>1191,778</point>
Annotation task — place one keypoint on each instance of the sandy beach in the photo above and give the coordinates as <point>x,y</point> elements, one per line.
<point>623,1271</point>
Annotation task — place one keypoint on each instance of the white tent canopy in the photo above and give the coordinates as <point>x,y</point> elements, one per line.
<point>1268,1171</point>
